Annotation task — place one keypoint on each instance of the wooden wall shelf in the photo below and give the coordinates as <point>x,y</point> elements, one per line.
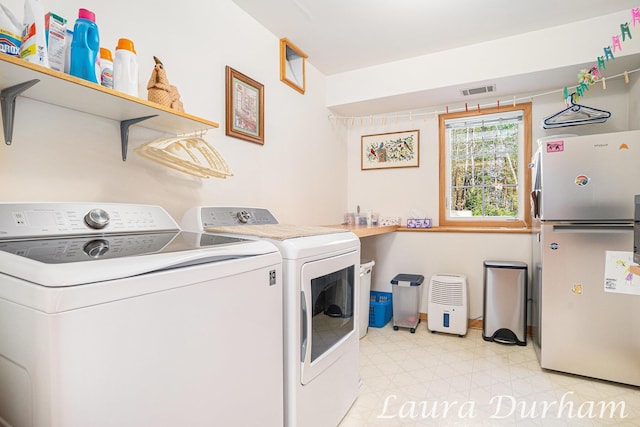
<point>56,88</point>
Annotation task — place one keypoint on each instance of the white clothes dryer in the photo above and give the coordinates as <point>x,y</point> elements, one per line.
<point>321,286</point>
<point>111,316</point>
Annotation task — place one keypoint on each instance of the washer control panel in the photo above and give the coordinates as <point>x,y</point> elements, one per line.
<point>29,220</point>
<point>97,218</point>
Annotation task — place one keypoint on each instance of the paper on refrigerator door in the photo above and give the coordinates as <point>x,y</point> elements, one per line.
<point>618,277</point>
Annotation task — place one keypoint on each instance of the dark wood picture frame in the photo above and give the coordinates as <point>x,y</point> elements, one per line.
<point>244,107</point>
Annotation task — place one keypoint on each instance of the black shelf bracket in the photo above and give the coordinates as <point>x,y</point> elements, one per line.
<point>8,105</point>
<point>124,133</point>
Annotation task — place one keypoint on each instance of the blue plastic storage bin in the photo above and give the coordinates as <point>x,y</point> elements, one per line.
<point>380,309</point>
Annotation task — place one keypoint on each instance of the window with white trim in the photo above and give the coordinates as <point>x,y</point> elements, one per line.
<point>484,179</point>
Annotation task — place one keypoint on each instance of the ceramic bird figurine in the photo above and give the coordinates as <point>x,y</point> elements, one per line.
<point>160,91</point>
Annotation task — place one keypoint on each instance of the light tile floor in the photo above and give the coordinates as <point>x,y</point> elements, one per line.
<point>426,379</point>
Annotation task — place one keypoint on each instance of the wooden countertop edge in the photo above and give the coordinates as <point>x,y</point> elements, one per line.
<point>365,231</point>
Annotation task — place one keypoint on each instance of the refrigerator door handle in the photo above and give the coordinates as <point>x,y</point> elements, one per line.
<point>592,228</point>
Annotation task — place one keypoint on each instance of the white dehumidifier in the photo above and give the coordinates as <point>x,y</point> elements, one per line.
<point>447,304</point>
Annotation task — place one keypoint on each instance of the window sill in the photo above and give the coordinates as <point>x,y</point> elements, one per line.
<point>504,230</point>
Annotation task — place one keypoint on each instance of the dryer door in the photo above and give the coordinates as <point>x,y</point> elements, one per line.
<point>327,311</point>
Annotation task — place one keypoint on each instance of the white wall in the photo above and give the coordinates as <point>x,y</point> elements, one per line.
<point>397,192</point>
<point>634,102</point>
<point>547,49</point>
<point>430,253</point>
<point>299,173</point>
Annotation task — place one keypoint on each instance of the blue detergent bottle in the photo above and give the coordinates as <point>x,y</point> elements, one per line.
<point>85,47</point>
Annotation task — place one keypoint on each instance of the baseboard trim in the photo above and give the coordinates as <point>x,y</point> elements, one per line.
<point>472,323</point>
<point>476,324</point>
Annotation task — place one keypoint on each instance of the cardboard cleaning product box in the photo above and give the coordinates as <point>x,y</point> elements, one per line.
<point>55,31</point>
<point>419,223</point>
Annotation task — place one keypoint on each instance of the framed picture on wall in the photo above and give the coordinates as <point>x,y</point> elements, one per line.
<point>244,107</point>
<point>390,150</point>
<point>292,65</point>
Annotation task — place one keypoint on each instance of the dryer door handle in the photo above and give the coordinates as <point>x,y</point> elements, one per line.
<point>303,327</point>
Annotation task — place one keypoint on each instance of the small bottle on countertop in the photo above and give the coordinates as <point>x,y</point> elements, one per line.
<point>85,47</point>
<point>106,68</point>
<point>125,68</point>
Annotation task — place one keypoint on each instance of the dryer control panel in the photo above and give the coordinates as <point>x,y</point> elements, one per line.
<point>214,216</point>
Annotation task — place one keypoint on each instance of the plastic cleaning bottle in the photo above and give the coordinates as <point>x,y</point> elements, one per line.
<point>125,68</point>
<point>10,32</point>
<point>34,42</point>
<point>67,50</point>
<point>106,68</point>
<point>85,47</point>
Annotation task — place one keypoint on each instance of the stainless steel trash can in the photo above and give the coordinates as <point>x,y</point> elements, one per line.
<point>505,302</point>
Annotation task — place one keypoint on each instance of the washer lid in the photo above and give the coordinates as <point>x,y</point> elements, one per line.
<point>68,261</point>
<point>313,246</point>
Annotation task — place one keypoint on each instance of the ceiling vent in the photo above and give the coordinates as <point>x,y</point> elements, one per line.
<point>478,90</point>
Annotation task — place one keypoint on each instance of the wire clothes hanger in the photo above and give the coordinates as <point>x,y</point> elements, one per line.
<point>575,115</point>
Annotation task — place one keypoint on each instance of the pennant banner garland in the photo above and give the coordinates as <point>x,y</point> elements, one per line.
<point>588,77</point>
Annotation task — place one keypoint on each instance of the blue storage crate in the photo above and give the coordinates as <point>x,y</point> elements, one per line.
<point>380,309</point>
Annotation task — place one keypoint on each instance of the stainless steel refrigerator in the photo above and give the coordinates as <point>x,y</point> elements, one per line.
<point>584,321</point>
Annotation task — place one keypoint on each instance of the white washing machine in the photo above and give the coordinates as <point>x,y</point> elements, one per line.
<point>321,286</point>
<point>111,316</point>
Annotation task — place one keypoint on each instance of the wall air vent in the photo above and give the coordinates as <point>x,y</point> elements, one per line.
<point>478,90</point>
